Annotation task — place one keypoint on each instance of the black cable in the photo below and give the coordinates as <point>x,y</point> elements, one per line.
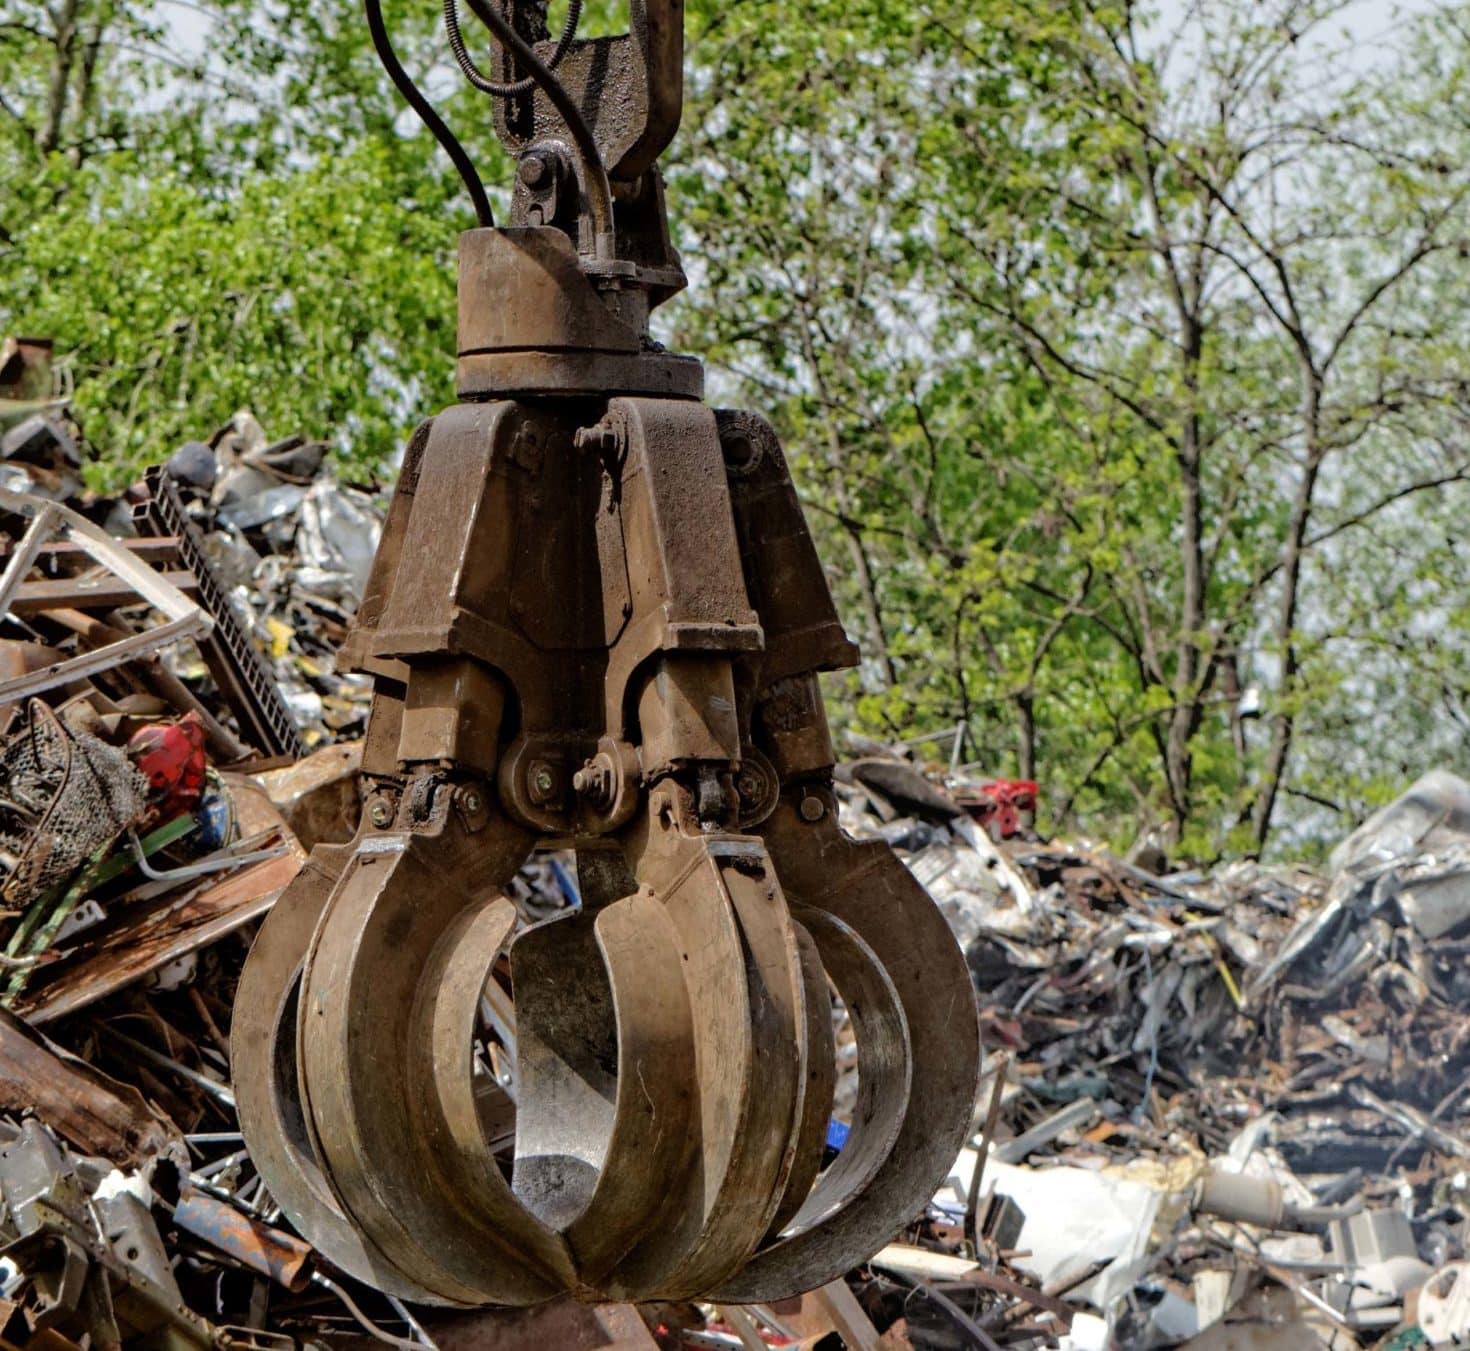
<point>415,100</point>
<point>483,82</point>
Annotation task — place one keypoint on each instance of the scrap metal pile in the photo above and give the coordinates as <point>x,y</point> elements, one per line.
<point>1217,1105</point>
<point>566,990</point>
<point>1225,1108</point>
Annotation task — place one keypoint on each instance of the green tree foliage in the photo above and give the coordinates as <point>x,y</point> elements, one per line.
<point>1125,365</point>
<point>1120,360</point>
<point>270,298</point>
<point>256,221</point>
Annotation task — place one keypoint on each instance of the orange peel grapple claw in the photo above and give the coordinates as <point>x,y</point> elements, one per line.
<point>596,621</point>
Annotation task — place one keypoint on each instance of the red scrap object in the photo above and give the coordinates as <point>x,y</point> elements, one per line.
<point>998,805</point>
<point>170,755</point>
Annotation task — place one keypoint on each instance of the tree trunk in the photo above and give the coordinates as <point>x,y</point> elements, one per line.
<point>1185,717</point>
<point>1026,736</point>
<point>1283,721</point>
<point>872,606</point>
<point>59,90</point>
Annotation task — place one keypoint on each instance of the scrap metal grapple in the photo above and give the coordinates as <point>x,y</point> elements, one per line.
<point>596,621</point>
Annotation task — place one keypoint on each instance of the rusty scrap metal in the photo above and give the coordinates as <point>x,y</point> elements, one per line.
<point>596,619</point>
<point>233,660</point>
<point>96,1113</point>
<point>166,922</point>
<point>281,1256</point>
<point>87,593</point>
<point>98,1273</point>
<point>48,520</point>
<point>186,591</point>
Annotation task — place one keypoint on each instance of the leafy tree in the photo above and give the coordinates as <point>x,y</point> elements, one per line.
<point>1120,362</point>
<point>1106,351</point>
<point>199,233</point>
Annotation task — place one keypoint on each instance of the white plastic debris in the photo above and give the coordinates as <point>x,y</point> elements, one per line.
<point>1424,837</point>
<point>336,539</point>
<point>1434,812</point>
<point>1444,1306</point>
<point>1072,1212</point>
<point>119,1183</point>
<point>1089,1333</point>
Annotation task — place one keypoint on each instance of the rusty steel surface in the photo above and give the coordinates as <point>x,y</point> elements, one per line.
<point>92,1110</point>
<point>281,1256</point>
<point>596,621</point>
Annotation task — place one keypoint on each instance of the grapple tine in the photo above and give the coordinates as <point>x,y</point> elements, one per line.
<point>606,1077</point>
<point>568,1066</point>
<point>405,902</point>
<point>882,1035</point>
<point>884,930</point>
<point>863,885</point>
<point>264,1070</point>
<point>821,1080</point>
<point>505,1236</point>
<point>743,976</point>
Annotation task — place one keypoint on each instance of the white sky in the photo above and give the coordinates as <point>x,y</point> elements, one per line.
<point>1370,23</point>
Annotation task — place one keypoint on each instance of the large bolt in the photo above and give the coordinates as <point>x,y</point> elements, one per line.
<point>543,782</point>
<point>534,171</point>
<point>738,450</point>
<point>601,438</point>
<point>812,808</point>
<point>595,782</point>
<point>750,785</point>
<point>381,813</point>
<point>471,800</point>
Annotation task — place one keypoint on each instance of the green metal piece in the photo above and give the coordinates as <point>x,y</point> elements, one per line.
<point>43,919</point>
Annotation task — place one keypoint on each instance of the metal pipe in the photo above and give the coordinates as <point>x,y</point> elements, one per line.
<point>215,863</point>
<point>415,99</point>
<point>382,1334</point>
<point>273,1253</point>
<point>220,1092</point>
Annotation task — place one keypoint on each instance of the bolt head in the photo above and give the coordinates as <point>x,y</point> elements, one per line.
<point>812,808</point>
<point>380,813</point>
<point>597,781</point>
<point>534,171</point>
<point>543,782</point>
<point>601,439</point>
<point>471,800</point>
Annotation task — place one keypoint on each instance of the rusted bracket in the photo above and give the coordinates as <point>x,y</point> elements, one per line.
<point>630,88</point>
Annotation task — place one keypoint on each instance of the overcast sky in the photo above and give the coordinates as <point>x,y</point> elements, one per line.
<point>1368,22</point>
